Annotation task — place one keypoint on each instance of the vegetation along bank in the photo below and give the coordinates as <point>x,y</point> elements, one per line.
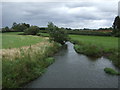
<point>25,63</point>
<point>95,46</point>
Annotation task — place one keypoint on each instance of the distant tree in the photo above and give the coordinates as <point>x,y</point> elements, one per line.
<point>27,25</point>
<point>33,30</point>
<point>20,27</point>
<point>14,26</point>
<point>57,34</point>
<point>116,26</point>
<point>6,29</point>
<point>3,30</point>
<point>42,28</point>
<point>110,28</point>
<point>86,29</point>
<point>68,29</point>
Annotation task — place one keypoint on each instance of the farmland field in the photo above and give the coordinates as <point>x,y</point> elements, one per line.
<point>12,40</point>
<point>106,42</point>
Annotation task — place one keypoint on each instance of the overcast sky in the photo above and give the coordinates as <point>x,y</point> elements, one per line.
<point>80,14</point>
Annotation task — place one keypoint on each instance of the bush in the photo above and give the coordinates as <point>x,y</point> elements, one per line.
<point>111,71</point>
<point>89,50</point>
<point>33,30</point>
<point>57,34</point>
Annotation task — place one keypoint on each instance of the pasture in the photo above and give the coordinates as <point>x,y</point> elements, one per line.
<point>105,42</point>
<point>13,40</point>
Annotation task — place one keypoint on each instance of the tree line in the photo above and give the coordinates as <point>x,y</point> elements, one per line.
<point>33,30</point>
<point>22,27</point>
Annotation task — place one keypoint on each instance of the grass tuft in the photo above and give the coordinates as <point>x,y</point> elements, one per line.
<point>111,71</point>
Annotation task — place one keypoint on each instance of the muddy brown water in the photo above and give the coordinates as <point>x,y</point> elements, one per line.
<point>73,70</point>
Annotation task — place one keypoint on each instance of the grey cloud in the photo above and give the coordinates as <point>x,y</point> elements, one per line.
<point>64,14</point>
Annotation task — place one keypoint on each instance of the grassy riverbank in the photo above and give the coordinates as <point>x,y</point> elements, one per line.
<point>23,64</point>
<point>97,46</point>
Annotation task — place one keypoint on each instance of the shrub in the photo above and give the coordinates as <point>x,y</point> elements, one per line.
<point>89,50</point>
<point>33,30</point>
<point>57,34</point>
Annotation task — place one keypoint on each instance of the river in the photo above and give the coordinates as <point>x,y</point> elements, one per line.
<point>73,70</point>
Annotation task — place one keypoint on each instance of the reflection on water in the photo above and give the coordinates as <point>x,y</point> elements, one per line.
<point>73,70</point>
<point>93,58</point>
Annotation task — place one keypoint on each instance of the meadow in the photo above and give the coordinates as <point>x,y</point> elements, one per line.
<point>106,42</point>
<point>13,40</point>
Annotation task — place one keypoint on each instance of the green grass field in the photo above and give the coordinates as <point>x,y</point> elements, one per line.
<point>106,42</point>
<point>13,40</point>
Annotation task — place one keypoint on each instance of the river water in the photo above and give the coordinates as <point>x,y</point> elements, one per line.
<point>73,70</point>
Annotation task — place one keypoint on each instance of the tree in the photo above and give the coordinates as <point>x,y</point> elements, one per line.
<point>57,34</point>
<point>33,30</point>
<point>20,27</point>
<point>14,26</point>
<point>27,25</point>
<point>116,26</point>
<point>6,29</point>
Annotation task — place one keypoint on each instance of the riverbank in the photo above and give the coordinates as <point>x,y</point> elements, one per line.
<point>73,70</point>
<point>21,65</point>
<point>97,46</point>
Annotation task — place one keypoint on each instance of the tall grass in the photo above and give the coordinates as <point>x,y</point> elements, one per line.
<point>27,64</point>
